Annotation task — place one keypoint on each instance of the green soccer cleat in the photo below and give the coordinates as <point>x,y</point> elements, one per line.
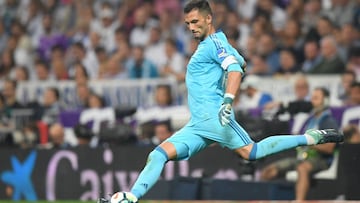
<point>103,200</point>
<point>325,136</point>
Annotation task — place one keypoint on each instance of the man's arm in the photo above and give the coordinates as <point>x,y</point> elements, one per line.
<point>233,83</point>
<point>232,86</point>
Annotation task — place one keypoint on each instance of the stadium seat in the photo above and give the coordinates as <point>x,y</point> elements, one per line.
<point>329,174</point>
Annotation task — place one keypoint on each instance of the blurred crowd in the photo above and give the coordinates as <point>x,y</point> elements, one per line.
<point>89,40</point>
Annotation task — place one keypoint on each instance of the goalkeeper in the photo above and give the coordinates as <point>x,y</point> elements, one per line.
<point>213,77</point>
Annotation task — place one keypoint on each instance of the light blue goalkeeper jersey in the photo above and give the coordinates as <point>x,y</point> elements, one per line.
<point>207,73</point>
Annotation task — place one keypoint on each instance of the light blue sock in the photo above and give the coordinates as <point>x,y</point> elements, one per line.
<point>151,172</point>
<point>274,144</point>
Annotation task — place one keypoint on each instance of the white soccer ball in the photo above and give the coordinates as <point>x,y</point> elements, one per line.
<point>123,197</point>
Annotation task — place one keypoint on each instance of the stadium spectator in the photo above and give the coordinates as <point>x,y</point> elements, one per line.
<point>7,63</point>
<point>347,37</point>
<point>51,106</point>
<point>43,72</point>
<point>21,74</point>
<point>83,134</point>
<point>121,38</point>
<point>87,59</point>
<point>46,37</point>
<point>295,9</point>
<point>324,27</point>
<point>23,51</point>
<point>140,67</point>
<point>251,48</point>
<point>291,38</point>
<point>354,97</point>
<point>105,25</point>
<point>30,15</point>
<point>220,9</point>
<point>83,93</point>
<point>57,53</point>
<point>246,10</point>
<point>266,46</point>
<point>140,33</point>
<point>155,48</point>
<point>331,62</point>
<point>236,30</point>
<point>353,63</point>
<point>59,69</point>
<point>80,74</point>
<point>167,24</point>
<point>250,95</point>
<point>347,79</point>
<point>172,6</point>
<point>154,133</point>
<point>3,37</point>
<point>8,9</point>
<point>288,65</point>
<point>300,103</point>
<point>276,15</point>
<point>261,25</point>
<point>258,65</point>
<point>163,130</point>
<point>175,63</point>
<point>9,93</point>
<point>341,12</point>
<point>163,108</point>
<point>312,159</point>
<point>96,116</point>
<point>312,13</point>
<point>57,138</point>
<point>7,126</point>
<point>311,54</point>
<point>93,41</point>
<point>102,58</point>
<point>114,68</point>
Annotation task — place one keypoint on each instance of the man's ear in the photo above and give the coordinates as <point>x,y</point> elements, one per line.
<point>208,19</point>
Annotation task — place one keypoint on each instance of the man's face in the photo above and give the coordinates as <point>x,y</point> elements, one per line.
<point>198,23</point>
<point>8,90</point>
<point>49,98</point>
<point>317,98</point>
<point>355,95</point>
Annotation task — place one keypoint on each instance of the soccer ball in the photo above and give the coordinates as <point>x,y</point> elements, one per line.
<point>123,197</point>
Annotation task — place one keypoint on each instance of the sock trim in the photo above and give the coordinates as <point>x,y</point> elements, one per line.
<point>252,155</point>
<point>162,151</point>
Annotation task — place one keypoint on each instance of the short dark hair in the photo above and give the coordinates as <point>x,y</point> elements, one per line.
<point>83,131</point>
<point>55,91</point>
<point>355,84</point>
<point>201,5</point>
<point>349,132</point>
<point>12,82</point>
<point>324,91</point>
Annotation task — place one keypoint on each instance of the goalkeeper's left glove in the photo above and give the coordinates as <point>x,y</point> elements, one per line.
<point>225,110</point>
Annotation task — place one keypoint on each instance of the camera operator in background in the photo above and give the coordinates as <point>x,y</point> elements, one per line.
<point>310,159</point>
<point>301,102</point>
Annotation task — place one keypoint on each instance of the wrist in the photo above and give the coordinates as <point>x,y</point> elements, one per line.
<point>228,98</point>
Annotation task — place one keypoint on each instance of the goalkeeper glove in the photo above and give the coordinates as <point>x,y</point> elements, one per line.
<point>225,110</point>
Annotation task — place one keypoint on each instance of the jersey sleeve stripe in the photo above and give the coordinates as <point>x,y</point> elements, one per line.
<point>216,41</point>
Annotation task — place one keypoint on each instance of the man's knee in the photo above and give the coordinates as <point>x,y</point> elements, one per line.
<point>269,172</point>
<point>303,168</point>
<point>247,152</point>
<point>158,154</point>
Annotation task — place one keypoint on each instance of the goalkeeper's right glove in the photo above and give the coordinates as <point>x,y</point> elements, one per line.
<point>225,110</point>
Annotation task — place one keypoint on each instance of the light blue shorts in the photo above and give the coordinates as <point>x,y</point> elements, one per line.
<point>202,134</point>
